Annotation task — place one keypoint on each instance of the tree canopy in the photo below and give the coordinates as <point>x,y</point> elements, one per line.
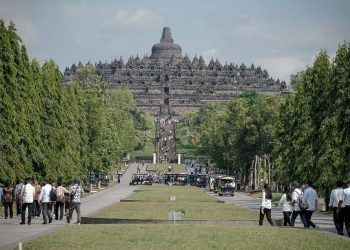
<point>48,130</point>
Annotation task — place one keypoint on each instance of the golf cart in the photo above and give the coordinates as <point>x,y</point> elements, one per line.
<point>227,186</point>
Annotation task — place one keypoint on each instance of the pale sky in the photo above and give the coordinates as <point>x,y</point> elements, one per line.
<point>279,35</point>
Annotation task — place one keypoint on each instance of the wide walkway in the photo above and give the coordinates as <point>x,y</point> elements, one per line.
<point>325,222</point>
<point>11,232</point>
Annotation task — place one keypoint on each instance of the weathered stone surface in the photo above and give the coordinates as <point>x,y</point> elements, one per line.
<point>166,82</point>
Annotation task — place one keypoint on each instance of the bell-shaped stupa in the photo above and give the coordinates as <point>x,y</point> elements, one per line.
<point>166,48</point>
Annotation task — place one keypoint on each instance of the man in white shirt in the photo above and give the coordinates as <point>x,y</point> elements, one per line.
<point>310,195</point>
<point>336,204</point>
<point>27,196</point>
<point>45,200</point>
<point>346,203</point>
<point>297,192</point>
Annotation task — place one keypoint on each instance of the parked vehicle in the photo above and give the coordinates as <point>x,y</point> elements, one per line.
<point>198,180</point>
<point>141,179</point>
<point>176,178</point>
<point>227,186</point>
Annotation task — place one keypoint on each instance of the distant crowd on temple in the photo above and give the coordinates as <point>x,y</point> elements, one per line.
<point>166,136</point>
<point>47,201</point>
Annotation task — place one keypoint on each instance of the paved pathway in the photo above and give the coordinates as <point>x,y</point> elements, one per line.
<point>325,222</point>
<point>11,232</point>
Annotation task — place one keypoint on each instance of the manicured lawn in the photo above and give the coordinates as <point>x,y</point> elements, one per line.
<point>163,167</point>
<point>185,237</point>
<point>147,151</point>
<point>193,211</point>
<point>158,192</point>
<point>154,204</point>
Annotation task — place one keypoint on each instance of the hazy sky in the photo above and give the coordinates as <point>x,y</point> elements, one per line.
<point>279,35</point>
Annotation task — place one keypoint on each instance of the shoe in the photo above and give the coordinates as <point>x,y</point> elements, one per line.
<point>29,223</point>
<point>44,223</point>
<point>50,220</point>
<point>78,223</point>
<point>68,221</point>
<point>5,217</point>
<point>22,223</point>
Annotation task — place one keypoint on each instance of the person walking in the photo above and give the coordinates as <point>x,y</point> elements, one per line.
<point>266,205</point>
<point>296,197</point>
<point>337,206</point>
<point>8,199</point>
<point>310,196</point>
<point>76,192</point>
<point>27,196</point>
<point>18,191</point>
<point>347,207</point>
<point>59,205</point>
<point>45,201</point>
<point>36,205</point>
<point>1,193</point>
<point>287,208</point>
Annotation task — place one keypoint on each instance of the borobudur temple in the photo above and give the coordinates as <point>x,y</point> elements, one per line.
<point>169,83</point>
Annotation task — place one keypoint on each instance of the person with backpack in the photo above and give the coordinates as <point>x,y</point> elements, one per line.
<point>287,208</point>
<point>59,205</point>
<point>297,195</point>
<point>310,196</point>
<point>266,205</point>
<point>8,199</point>
<point>76,191</point>
<point>337,206</point>
<point>27,197</point>
<point>45,201</point>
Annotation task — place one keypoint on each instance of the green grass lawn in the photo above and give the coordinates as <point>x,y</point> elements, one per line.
<point>163,167</point>
<point>185,237</point>
<point>155,205</point>
<point>159,192</point>
<point>147,151</point>
<point>152,203</point>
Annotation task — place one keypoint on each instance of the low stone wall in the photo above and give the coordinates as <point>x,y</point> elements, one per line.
<point>90,220</point>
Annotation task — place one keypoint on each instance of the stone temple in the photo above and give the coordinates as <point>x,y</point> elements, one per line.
<point>169,83</point>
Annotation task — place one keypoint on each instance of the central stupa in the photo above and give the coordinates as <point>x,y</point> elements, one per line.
<point>166,48</point>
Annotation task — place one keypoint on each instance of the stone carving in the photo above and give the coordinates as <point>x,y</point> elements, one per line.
<point>166,81</point>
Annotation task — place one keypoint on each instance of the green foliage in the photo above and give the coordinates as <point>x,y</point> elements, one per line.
<point>233,136</point>
<point>52,131</point>
<point>313,131</point>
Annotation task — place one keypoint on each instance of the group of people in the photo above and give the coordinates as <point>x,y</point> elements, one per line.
<point>301,200</point>
<point>339,203</point>
<point>298,200</point>
<point>32,200</point>
<point>166,136</point>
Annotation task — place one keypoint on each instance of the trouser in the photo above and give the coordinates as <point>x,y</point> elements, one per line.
<point>308,215</point>
<point>266,211</point>
<point>347,219</point>
<point>8,208</point>
<point>295,215</point>
<point>338,219</point>
<point>66,206</point>
<point>36,208</point>
<point>74,206</point>
<point>286,218</point>
<point>24,207</point>
<point>47,208</point>
<point>59,206</point>
<point>18,206</point>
